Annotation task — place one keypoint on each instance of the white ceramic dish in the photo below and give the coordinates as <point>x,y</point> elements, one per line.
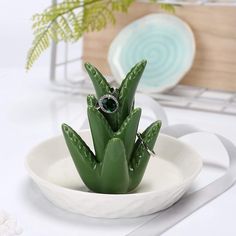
<point>166,179</point>
<point>167,43</point>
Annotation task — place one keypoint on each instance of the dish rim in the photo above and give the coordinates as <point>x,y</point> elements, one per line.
<point>51,185</point>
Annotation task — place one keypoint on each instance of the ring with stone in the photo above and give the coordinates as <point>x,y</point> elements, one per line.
<point>108,103</point>
<point>151,152</point>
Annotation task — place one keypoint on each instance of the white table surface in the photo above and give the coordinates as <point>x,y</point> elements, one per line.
<point>30,113</point>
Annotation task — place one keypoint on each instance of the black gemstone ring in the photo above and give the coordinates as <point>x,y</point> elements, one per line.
<point>108,103</point>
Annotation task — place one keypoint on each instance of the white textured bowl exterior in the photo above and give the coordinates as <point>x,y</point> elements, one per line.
<point>153,194</point>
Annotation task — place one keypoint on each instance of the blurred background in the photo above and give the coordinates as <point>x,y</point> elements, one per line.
<point>200,55</point>
<point>16,33</point>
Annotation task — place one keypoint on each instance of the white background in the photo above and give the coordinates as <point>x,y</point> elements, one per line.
<point>30,113</point>
<point>15,31</point>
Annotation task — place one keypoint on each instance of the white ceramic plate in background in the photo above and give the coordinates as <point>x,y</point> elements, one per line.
<point>166,179</point>
<point>165,41</point>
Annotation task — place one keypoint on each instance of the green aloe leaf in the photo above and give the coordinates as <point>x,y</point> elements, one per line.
<point>91,101</point>
<point>100,84</point>
<point>119,162</point>
<point>84,159</point>
<point>102,87</point>
<point>100,129</point>
<point>114,174</point>
<point>112,120</point>
<point>128,131</point>
<point>140,157</point>
<point>128,88</point>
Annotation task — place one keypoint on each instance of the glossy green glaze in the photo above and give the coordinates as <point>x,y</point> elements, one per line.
<point>120,159</point>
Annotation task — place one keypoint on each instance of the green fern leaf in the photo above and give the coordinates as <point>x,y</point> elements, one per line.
<point>167,7</point>
<point>68,20</point>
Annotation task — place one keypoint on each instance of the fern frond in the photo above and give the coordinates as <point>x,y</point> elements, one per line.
<point>167,7</point>
<point>97,16</point>
<point>40,43</point>
<point>69,20</point>
<point>121,6</point>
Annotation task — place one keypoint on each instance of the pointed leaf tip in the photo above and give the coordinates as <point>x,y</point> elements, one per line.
<point>100,83</point>
<point>90,68</point>
<point>141,65</point>
<point>65,127</point>
<point>143,62</point>
<point>157,125</point>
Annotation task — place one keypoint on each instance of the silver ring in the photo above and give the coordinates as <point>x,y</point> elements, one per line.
<point>150,152</point>
<point>108,103</point>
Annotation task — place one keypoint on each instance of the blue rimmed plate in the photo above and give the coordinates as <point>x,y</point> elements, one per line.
<point>164,40</point>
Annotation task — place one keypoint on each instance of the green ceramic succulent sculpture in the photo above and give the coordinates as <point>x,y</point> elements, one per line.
<point>120,158</point>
